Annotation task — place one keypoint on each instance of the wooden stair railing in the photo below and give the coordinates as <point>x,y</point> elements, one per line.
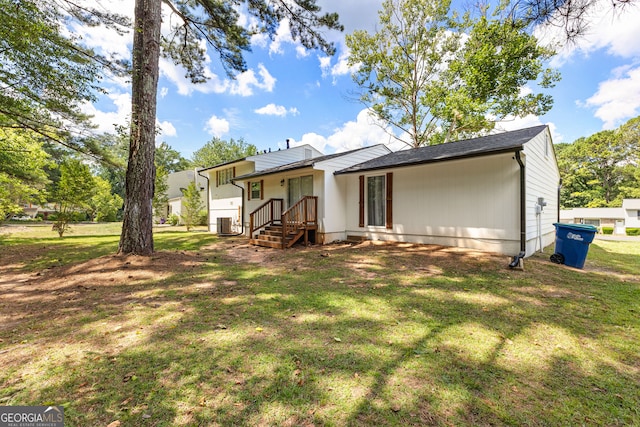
<point>283,229</point>
<point>298,219</point>
<point>267,214</point>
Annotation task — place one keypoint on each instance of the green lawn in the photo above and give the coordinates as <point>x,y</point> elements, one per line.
<point>338,335</point>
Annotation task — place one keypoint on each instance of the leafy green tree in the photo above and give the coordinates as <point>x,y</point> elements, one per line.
<point>602,169</point>
<point>217,23</point>
<point>436,77</point>
<point>104,205</point>
<point>73,193</point>
<point>219,151</point>
<point>114,172</point>
<point>171,160</point>
<point>45,75</point>
<point>22,175</point>
<point>160,197</point>
<point>192,205</point>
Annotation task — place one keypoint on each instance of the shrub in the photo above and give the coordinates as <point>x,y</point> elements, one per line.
<point>203,218</point>
<point>607,230</point>
<point>174,219</point>
<point>633,231</point>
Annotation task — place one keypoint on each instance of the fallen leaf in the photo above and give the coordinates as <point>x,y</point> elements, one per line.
<point>114,424</point>
<point>336,339</point>
<point>258,329</point>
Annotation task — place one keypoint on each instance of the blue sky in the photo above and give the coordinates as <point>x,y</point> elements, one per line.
<point>292,93</point>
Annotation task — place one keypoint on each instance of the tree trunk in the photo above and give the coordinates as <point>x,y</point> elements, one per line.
<point>137,226</point>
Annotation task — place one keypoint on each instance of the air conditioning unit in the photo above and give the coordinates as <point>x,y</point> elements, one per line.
<point>224,225</point>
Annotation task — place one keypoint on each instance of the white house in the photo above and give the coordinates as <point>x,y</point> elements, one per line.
<point>280,188</point>
<point>497,193</point>
<point>627,216</point>
<point>225,199</point>
<point>177,182</point>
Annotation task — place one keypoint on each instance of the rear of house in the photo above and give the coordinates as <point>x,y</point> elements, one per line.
<point>288,184</point>
<point>497,193</point>
<point>226,206</point>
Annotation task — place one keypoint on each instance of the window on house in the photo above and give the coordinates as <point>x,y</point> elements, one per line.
<point>376,200</point>
<point>256,190</point>
<point>225,176</point>
<point>298,187</point>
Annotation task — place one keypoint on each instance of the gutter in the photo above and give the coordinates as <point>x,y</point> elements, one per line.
<point>523,215</point>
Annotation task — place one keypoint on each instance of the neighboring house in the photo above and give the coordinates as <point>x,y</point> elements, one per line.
<point>497,193</point>
<point>627,216</point>
<point>312,179</point>
<point>177,182</point>
<point>31,210</point>
<point>225,200</point>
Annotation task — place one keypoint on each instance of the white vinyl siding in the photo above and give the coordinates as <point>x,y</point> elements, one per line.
<point>542,180</point>
<point>471,203</point>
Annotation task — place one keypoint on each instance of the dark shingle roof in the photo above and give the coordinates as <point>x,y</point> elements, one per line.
<point>483,146</point>
<point>296,165</point>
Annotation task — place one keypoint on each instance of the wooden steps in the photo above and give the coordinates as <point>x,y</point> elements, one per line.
<point>271,237</point>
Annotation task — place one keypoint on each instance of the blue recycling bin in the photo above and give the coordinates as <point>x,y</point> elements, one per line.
<point>572,243</point>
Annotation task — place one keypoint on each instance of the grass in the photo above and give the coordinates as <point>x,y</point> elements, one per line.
<point>372,335</point>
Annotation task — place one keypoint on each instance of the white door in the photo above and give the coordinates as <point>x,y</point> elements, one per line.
<point>619,227</point>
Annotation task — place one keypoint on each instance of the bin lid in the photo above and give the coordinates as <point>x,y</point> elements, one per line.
<point>579,227</point>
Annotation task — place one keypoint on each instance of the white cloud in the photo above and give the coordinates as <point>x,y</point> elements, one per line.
<point>617,99</point>
<point>283,35</point>
<point>615,31</point>
<point>362,132</point>
<point>166,129</point>
<point>217,126</point>
<point>176,74</point>
<point>245,82</point>
<point>164,91</point>
<point>526,122</point>
<point>106,120</point>
<point>354,14</point>
<point>339,68</point>
<point>276,110</point>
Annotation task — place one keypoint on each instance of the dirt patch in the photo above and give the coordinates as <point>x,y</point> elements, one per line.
<point>41,295</point>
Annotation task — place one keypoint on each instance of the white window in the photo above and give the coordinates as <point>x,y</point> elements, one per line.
<point>225,176</point>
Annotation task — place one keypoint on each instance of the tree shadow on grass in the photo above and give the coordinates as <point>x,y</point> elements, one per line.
<point>355,339</point>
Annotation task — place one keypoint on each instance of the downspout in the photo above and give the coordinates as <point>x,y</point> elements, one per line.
<point>523,215</point>
<point>558,202</point>
<point>208,209</point>
<point>242,210</point>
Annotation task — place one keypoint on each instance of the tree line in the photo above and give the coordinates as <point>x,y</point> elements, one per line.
<point>602,169</point>
<point>35,170</point>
